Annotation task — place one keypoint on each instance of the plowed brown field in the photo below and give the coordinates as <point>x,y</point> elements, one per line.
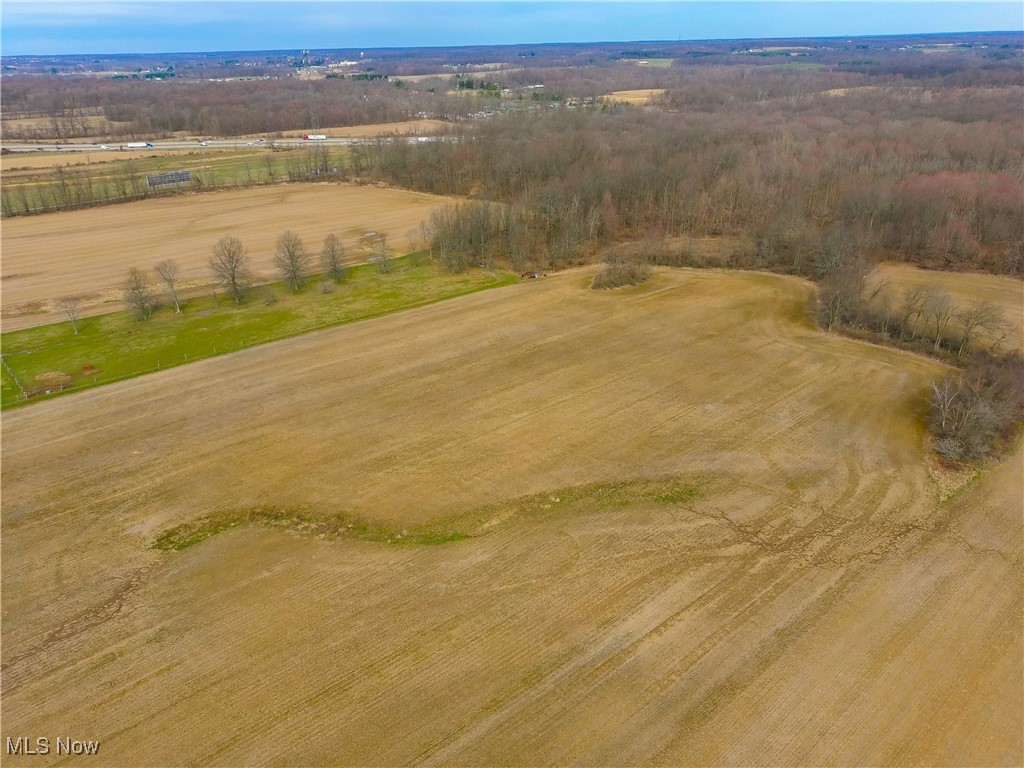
<point>811,603</point>
<point>90,251</point>
<point>640,96</point>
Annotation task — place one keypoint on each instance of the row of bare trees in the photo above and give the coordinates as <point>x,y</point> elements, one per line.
<point>238,108</point>
<point>923,317</point>
<point>230,266</point>
<point>139,295</point>
<point>977,408</point>
<point>69,188</point>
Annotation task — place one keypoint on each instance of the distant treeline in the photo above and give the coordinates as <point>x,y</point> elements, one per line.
<point>201,108</point>
<point>699,75</point>
<point>70,188</point>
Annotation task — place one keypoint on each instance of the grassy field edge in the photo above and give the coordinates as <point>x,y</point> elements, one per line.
<point>114,347</point>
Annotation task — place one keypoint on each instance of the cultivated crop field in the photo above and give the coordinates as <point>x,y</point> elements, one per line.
<point>639,96</point>
<point>669,524</point>
<point>89,252</point>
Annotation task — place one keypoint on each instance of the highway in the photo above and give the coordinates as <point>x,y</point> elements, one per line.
<point>205,144</point>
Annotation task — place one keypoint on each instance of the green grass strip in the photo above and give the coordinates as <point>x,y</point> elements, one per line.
<point>115,346</point>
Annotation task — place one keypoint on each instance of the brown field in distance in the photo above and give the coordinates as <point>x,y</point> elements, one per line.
<point>812,603</point>
<point>640,96</point>
<point>90,251</point>
<point>369,131</point>
<point>17,163</point>
<point>1007,293</point>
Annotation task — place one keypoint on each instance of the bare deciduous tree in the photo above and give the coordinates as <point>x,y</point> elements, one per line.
<point>230,266</point>
<point>382,256</point>
<point>913,305</point>
<point>292,260</point>
<point>999,333</point>
<point>416,244</point>
<point>167,271</point>
<point>332,259</point>
<point>979,316</point>
<point>940,310</point>
<point>841,290</point>
<point>137,295</point>
<point>69,305</point>
<point>945,394</point>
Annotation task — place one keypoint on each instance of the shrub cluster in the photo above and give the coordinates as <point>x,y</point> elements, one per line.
<point>977,411</point>
<point>618,274</point>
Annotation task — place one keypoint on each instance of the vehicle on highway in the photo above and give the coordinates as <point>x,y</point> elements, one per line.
<point>314,137</point>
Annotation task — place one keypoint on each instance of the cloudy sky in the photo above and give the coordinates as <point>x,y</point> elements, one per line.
<point>43,27</point>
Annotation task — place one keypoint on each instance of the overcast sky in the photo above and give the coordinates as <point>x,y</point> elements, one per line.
<point>150,27</point>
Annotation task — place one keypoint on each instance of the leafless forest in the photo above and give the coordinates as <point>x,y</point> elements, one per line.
<point>905,149</point>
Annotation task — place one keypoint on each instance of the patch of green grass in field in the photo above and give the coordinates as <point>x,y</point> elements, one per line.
<point>801,66</point>
<point>115,346</point>
<point>9,390</point>
<point>305,521</point>
<point>329,525</point>
<point>210,169</point>
<point>658,63</point>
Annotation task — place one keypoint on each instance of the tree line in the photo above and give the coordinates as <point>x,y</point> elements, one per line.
<point>72,188</point>
<point>202,108</point>
<point>791,179</point>
<point>230,268</point>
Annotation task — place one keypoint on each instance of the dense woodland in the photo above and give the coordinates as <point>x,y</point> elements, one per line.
<point>802,181</point>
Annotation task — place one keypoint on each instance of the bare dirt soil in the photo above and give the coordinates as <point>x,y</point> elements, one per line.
<point>375,129</point>
<point>1007,293</point>
<point>18,163</point>
<point>639,96</point>
<point>89,252</point>
<point>802,598</point>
